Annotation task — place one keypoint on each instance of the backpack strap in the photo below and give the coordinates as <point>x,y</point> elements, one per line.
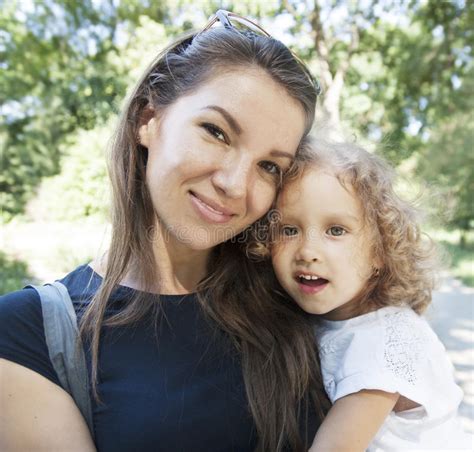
<point>65,345</point>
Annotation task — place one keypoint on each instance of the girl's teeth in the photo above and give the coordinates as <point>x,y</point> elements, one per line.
<point>309,277</point>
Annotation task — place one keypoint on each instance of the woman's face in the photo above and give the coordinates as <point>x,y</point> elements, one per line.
<point>215,156</point>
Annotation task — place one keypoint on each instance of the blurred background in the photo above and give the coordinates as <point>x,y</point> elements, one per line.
<point>397,75</point>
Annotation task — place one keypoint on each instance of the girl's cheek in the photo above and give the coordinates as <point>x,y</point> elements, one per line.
<point>280,254</point>
<point>262,195</point>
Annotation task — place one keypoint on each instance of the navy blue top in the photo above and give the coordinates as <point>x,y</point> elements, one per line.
<point>181,389</point>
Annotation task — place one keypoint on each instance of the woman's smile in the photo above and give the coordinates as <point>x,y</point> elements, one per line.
<point>216,156</point>
<point>209,210</point>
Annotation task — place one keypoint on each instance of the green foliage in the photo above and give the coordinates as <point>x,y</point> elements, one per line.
<point>66,65</point>
<point>407,69</point>
<point>81,189</point>
<point>447,161</point>
<point>461,260</point>
<point>13,274</point>
<point>56,78</point>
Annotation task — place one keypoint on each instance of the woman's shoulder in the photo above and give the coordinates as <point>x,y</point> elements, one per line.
<point>19,307</point>
<point>20,314</point>
<point>24,305</point>
<point>22,337</point>
<point>82,283</point>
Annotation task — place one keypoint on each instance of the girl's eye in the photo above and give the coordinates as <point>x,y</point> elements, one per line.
<point>215,131</point>
<point>288,231</point>
<point>271,168</point>
<point>336,231</point>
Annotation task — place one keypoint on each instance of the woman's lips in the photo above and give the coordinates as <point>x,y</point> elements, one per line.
<point>210,213</point>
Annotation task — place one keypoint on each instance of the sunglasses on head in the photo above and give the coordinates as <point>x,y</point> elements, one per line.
<point>228,18</point>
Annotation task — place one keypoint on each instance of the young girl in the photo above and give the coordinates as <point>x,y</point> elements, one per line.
<point>350,251</point>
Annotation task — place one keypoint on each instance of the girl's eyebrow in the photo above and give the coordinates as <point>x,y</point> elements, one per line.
<point>344,215</point>
<point>233,124</point>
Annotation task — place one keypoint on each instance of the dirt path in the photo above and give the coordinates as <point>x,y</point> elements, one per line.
<point>452,317</point>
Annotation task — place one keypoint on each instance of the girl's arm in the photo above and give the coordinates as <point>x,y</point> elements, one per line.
<point>353,421</point>
<point>36,414</point>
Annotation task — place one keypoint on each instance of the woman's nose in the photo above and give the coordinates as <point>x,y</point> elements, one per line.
<point>233,177</point>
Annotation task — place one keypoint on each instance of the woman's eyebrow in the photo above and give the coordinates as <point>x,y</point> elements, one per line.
<point>282,154</point>
<point>233,124</point>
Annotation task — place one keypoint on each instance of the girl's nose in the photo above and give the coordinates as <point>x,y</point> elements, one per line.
<point>309,251</point>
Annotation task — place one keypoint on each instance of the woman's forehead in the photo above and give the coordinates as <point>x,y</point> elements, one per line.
<point>253,105</point>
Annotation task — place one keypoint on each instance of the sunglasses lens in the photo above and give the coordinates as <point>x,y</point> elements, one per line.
<point>228,19</point>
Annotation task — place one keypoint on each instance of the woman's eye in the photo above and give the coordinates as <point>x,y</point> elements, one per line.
<point>336,231</point>
<point>289,231</point>
<point>271,168</point>
<point>215,131</point>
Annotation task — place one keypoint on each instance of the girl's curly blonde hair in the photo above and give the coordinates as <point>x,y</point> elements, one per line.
<point>408,257</point>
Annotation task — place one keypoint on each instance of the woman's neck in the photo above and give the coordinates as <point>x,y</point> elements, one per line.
<point>179,268</point>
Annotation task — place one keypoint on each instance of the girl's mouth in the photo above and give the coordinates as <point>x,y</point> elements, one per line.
<point>311,284</point>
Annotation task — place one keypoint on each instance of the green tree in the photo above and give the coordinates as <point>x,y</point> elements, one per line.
<point>393,70</point>
<point>389,69</point>
<point>57,78</point>
<point>448,163</point>
<point>400,72</point>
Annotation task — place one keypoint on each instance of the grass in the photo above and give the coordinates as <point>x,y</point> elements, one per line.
<point>13,274</point>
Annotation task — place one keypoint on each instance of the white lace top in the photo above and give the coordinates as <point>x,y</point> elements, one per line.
<point>395,350</point>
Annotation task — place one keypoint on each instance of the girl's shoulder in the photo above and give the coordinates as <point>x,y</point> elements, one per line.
<point>391,323</point>
<point>391,338</point>
<point>393,350</point>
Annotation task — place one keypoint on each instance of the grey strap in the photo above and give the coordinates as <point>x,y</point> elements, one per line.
<point>64,345</point>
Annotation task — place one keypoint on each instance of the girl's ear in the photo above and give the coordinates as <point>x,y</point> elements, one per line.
<point>144,130</point>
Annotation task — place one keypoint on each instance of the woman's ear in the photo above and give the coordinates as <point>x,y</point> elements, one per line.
<point>144,131</point>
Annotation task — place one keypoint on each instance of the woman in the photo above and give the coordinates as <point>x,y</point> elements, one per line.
<point>207,365</point>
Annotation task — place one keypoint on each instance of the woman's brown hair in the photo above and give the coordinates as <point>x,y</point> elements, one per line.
<point>279,362</point>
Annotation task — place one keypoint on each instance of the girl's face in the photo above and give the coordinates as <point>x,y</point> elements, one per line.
<point>322,256</point>
<point>215,156</point>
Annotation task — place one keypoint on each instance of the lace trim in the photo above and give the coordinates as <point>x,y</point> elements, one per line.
<point>403,345</point>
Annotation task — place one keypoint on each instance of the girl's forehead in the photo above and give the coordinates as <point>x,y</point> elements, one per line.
<point>308,179</point>
<point>321,188</point>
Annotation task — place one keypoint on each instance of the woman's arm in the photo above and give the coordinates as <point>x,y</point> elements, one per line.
<point>353,421</point>
<point>36,414</point>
